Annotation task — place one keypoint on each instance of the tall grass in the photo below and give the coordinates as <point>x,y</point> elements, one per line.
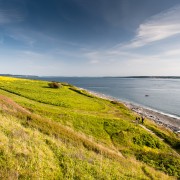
<point>68,134</point>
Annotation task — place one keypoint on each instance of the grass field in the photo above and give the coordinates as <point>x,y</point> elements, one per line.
<point>66,133</point>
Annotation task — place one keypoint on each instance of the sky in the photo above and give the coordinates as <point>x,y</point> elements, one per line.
<point>90,37</point>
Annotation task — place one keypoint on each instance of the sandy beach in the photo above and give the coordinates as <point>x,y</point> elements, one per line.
<point>167,121</point>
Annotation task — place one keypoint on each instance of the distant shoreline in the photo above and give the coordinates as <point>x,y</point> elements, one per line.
<point>166,120</point>
<point>160,118</point>
<point>138,77</point>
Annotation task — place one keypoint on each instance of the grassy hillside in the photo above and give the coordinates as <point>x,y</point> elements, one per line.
<point>67,133</point>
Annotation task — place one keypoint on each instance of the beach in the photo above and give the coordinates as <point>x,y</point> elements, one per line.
<point>159,118</point>
<point>167,121</point>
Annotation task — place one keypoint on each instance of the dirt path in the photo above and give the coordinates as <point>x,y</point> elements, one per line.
<point>150,131</point>
<point>146,129</point>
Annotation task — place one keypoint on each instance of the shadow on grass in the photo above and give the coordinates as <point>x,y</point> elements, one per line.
<point>82,92</point>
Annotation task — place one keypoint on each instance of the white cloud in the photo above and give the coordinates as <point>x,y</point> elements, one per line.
<point>161,26</point>
<point>120,60</point>
<point>172,52</point>
<point>94,61</point>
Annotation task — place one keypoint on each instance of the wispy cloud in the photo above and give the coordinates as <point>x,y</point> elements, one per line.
<point>10,16</point>
<point>22,36</point>
<point>161,26</point>
<point>31,54</point>
<point>135,57</point>
<point>172,52</point>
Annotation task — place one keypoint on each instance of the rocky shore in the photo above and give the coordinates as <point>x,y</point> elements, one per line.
<point>167,121</point>
<point>159,118</point>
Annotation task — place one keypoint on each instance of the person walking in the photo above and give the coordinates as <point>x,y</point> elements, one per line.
<point>142,119</point>
<point>137,120</point>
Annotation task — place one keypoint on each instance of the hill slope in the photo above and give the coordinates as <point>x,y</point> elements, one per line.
<point>68,133</point>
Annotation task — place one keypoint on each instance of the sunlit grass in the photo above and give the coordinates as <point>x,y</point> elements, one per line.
<point>79,135</point>
<point>26,153</point>
<point>7,79</point>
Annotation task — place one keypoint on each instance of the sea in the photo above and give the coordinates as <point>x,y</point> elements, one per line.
<point>159,94</point>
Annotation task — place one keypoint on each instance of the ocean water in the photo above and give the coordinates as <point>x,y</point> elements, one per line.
<point>159,94</point>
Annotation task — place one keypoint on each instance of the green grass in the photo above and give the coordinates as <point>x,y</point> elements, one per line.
<point>169,137</point>
<point>67,133</point>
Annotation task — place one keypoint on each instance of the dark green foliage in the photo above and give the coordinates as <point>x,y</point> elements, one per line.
<point>118,132</point>
<point>124,133</point>
<point>171,140</point>
<point>147,140</point>
<point>79,91</point>
<point>115,126</point>
<point>120,139</point>
<point>166,162</point>
<point>116,102</point>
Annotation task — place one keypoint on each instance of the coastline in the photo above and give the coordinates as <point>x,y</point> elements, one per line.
<point>160,118</point>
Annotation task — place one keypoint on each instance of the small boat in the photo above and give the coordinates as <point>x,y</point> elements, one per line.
<point>146,95</point>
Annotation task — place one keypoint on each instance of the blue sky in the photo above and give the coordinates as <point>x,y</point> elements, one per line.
<point>90,37</point>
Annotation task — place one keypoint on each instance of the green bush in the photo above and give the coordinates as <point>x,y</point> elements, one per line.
<point>79,91</point>
<point>147,140</point>
<point>54,85</point>
<point>171,140</point>
<point>168,163</point>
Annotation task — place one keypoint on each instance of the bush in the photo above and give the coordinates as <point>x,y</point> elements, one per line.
<point>147,140</point>
<point>54,85</point>
<point>171,140</point>
<point>79,91</point>
<point>165,162</point>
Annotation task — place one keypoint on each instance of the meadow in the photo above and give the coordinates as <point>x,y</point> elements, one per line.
<point>67,133</point>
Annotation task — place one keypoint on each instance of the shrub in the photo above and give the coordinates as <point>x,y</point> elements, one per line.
<point>79,91</point>
<point>171,140</point>
<point>165,162</point>
<point>147,140</point>
<point>54,85</point>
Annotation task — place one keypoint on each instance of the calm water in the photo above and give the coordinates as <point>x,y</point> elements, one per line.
<point>164,94</point>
